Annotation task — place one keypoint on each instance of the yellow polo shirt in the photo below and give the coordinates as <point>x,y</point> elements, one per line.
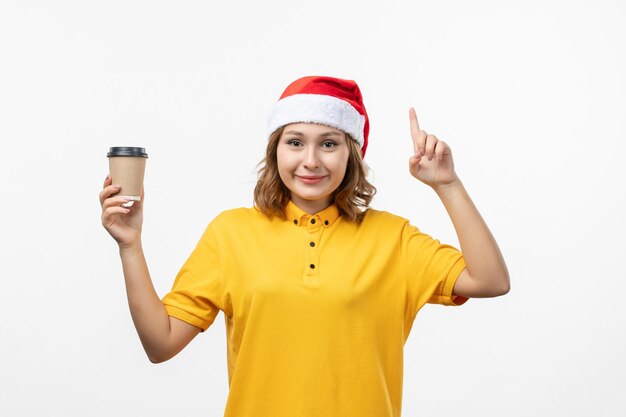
<point>317,308</point>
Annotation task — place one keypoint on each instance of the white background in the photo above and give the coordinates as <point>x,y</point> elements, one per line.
<point>530,98</point>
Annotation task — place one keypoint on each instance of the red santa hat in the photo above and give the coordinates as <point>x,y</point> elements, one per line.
<point>329,101</point>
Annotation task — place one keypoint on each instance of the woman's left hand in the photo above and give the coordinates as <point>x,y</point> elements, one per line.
<point>432,162</point>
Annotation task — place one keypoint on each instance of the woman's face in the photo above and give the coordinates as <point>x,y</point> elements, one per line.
<point>312,161</point>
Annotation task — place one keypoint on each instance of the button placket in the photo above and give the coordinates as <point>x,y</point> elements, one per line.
<point>311,265</point>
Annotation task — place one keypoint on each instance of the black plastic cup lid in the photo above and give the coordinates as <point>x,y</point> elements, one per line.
<point>127,151</point>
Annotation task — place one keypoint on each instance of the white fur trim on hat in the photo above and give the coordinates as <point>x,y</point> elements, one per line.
<point>317,108</point>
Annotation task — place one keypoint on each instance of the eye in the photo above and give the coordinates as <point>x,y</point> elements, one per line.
<point>293,141</point>
<point>332,144</point>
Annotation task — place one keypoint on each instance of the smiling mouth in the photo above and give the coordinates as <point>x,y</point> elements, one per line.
<point>311,180</point>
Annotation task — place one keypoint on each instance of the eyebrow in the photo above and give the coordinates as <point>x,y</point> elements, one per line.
<point>295,132</point>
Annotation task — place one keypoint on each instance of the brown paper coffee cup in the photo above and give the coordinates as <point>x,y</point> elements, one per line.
<point>127,166</point>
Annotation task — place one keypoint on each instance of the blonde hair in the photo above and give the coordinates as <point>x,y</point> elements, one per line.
<point>271,195</point>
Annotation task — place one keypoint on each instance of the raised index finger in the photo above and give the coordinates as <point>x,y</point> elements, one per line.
<point>415,128</point>
<point>413,117</point>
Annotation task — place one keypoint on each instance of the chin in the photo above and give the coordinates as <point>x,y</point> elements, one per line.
<point>310,197</point>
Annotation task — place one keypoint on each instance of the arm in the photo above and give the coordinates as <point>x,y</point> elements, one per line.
<point>162,336</point>
<point>486,274</point>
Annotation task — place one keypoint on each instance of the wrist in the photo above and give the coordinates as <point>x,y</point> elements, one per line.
<point>131,248</point>
<point>449,189</point>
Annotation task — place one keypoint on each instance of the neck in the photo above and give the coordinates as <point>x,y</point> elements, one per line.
<point>312,207</point>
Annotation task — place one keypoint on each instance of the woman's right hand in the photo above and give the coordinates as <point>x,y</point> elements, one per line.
<point>123,223</point>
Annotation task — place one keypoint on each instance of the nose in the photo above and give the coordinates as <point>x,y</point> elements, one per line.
<point>311,160</point>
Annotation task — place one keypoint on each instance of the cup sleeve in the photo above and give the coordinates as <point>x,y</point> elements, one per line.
<point>196,294</point>
<point>431,270</point>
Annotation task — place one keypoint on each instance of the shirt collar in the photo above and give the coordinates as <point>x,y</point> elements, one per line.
<point>298,216</point>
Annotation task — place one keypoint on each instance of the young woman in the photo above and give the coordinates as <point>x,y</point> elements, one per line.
<point>319,292</point>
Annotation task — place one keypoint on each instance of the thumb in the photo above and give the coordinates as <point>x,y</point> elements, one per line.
<point>415,159</point>
<point>414,164</point>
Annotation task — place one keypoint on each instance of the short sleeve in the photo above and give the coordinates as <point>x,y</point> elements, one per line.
<point>431,269</point>
<point>196,294</point>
